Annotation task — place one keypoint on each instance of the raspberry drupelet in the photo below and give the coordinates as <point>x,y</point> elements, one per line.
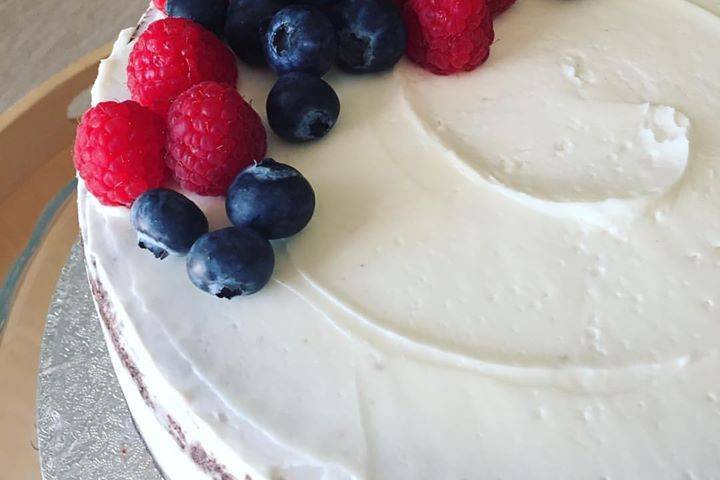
<point>172,55</point>
<point>160,5</point>
<point>448,36</point>
<point>119,151</point>
<point>213,134</point>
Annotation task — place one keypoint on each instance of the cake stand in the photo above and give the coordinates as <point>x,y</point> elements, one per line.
<point>84,426</point>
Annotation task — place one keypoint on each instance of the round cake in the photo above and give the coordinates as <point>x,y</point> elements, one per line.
<point>511,272</point>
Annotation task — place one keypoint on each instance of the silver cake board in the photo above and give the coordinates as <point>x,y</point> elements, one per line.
<point>85,430</point>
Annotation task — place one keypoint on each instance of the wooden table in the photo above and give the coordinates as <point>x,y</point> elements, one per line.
<point>38,225</point>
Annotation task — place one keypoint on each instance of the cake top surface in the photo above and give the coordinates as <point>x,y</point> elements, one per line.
<point>504,266</point>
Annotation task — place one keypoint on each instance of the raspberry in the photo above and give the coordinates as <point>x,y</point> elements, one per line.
<point>160,5</point>
<point>172,55</point>
<point>499,6</point>
<point>213,134</point>
<point>119,149</point>
<point>448,36</point>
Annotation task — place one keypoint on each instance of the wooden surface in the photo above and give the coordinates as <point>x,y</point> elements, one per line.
<point>35,154</point>
<point>39,38</point>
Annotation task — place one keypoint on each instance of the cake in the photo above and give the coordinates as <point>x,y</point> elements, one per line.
<point>511,273</point>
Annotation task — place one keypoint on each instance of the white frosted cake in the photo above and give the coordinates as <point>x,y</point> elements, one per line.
<point>512,273</point>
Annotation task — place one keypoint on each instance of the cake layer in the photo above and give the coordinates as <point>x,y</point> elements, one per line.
<point>511,273</point>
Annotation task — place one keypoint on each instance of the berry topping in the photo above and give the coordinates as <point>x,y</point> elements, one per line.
<point>246,23</point>
<point>448,36</point>
<point>302,107</point>
<point>231,262</point>
<point>160,5</point>
<point>167,222</point>
<point>272,198</point>
<point>208,13</point>
<point>300,38</point>
<point>499,6</point>
<point>318,3</point>
<point>212,135</point>
<point>371,35</point>
<point>119,150</point>
<point>172,55</point>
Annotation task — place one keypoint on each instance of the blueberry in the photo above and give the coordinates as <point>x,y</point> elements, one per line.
<point>167,222</point>
<point>231,262</point>
<point>245,26</point>
<point>300,38</point>
<point>371,35</point>
<point>208,13</point>
<point>302,107</point>
<point>272,198</point>
<point>318,3</point>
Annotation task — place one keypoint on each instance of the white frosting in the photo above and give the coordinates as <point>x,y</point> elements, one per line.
<point>513,270</point>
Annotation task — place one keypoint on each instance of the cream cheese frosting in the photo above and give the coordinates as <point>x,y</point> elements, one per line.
<point>511,273</point>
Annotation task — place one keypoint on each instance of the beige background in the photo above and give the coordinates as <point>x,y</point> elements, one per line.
<point>40,37</point>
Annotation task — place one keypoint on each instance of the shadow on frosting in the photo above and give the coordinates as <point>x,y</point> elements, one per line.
<point>595,151</point>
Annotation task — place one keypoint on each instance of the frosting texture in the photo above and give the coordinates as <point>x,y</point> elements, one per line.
<point>512,270</point>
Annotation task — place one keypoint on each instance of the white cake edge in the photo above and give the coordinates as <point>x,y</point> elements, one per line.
<point>182,445</point>
<point>170,460</point>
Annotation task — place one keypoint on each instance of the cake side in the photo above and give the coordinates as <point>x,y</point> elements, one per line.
<point>163,434</point>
